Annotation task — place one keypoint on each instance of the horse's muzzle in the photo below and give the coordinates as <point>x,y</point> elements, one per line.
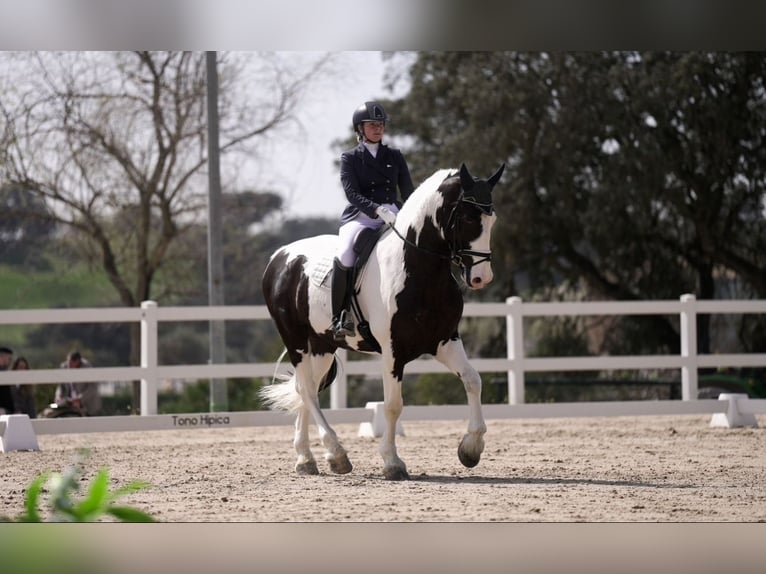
<point>479,276</point>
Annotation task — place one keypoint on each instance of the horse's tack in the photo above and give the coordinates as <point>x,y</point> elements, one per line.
<point>319,271</point>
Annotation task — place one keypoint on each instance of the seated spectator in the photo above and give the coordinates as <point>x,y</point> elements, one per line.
<point>6,396</point>
<point>81,395</point>
<point>23,395</point>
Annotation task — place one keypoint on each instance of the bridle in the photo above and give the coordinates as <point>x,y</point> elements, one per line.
<point>458,256</point>
<point>451,233</point>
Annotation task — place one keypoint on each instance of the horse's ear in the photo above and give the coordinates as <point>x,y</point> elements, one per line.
<point>492,181</point>
<point>466,179</point>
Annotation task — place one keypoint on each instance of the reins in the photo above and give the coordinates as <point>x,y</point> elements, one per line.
<point>421,249</point>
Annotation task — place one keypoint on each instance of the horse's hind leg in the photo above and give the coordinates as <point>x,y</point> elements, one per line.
<point>305,463</point>
<point>452,355</point>
<point>307,385</point>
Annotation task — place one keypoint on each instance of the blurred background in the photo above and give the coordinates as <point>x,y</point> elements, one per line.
<point>632,175</point>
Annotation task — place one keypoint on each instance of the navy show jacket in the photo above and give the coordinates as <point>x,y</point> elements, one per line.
<point>371,181</point>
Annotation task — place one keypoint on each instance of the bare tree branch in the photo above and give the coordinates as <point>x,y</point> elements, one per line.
<point>122,137</point>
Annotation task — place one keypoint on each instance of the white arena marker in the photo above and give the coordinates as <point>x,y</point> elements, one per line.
<point>378,425</point>
<point>733,417</point>
<point>16,433</point>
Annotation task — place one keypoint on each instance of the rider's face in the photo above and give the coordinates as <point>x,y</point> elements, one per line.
<point>373,131</point>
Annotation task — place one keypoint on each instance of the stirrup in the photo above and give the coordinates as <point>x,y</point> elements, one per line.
<point>343,327</point>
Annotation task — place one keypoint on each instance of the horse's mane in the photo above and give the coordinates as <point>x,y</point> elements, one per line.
<point>424,200</point>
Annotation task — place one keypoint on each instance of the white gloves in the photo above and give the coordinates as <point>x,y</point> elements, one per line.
<point>386,215</point>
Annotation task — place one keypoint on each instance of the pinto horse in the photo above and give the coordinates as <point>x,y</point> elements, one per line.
<point>408,295</point>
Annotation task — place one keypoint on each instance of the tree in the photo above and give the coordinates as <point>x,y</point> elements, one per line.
<point>121,137</point>
<point>631,175</point>
<point>25,225</point>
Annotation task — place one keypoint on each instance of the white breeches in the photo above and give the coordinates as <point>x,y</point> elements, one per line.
<point>348,232</point>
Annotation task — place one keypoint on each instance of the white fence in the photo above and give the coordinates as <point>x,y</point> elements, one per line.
<point>516,364</point>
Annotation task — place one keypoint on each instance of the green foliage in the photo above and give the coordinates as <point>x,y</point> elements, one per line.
<point>442,389</point>
<point>563,387</point>
<point>725,380</point>
<point>195,397</point>
<point>561,337</point>
<point>72,284</point>
<point>96,504</point>
<point>65,285</point>
<point>631,176</point>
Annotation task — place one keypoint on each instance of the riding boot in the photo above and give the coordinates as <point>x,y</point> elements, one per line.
<point>342,324</point>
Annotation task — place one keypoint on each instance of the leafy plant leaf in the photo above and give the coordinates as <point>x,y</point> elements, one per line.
<point>129,488</point>
<point>33,494</point>
<point>97,497</point>
<point>128,514</point>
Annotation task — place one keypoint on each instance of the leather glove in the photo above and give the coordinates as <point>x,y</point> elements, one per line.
<point>388,216</point>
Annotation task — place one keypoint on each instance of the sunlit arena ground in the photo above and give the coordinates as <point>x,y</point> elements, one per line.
<point>626,469</point>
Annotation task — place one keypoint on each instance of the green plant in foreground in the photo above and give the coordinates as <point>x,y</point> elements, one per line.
<point>96,504</point>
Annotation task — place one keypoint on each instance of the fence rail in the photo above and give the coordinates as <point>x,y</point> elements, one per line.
<point>516,364</point>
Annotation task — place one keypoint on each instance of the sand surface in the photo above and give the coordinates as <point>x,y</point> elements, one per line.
<point>626,469</point>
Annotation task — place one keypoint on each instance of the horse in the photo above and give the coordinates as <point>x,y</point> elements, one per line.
<point>407,301</point>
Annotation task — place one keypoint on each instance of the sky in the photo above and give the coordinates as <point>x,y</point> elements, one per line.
<point>301,166</point>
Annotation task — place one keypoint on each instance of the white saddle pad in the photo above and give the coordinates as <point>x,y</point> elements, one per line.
<point>319,270</point>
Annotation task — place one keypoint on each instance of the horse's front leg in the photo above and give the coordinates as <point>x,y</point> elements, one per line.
<point>393,467</point>
<point>452,355</point>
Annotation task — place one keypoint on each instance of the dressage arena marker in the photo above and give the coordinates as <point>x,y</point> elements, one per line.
<point>737,413</point>
<point>16,433</point>
<point>375,428</point>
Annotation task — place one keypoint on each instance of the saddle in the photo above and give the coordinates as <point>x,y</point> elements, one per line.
<point>320,271</point>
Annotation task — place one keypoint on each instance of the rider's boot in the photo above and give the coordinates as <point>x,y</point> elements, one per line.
<point>342,324</point>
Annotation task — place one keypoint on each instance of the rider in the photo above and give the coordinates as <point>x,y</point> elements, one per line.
<point>370,174</point>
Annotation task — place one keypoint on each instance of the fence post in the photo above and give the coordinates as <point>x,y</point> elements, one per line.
<point>515,344</point>
<point>149,341</point>
<point>339,389</point>
<point>689,347</point>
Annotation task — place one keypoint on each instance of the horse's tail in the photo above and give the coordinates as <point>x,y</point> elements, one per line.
<point>330,375</point>
<point>282,396</point>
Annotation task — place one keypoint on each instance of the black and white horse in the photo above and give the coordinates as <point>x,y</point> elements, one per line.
<point>411,299</point>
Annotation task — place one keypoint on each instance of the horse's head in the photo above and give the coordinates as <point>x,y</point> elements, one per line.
<point>467,220</point>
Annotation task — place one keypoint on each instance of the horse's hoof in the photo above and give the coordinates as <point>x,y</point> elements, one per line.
<point>340,465</point>
<point>307,468</point>
<point>468,461</point>
<point>396,473</point>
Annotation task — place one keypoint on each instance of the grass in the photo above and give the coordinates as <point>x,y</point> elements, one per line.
<point>75,286</point>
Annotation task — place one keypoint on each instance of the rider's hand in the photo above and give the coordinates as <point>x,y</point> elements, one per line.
<point>386,215</point>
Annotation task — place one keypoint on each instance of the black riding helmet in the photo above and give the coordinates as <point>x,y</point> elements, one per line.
<point>368,112</point>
